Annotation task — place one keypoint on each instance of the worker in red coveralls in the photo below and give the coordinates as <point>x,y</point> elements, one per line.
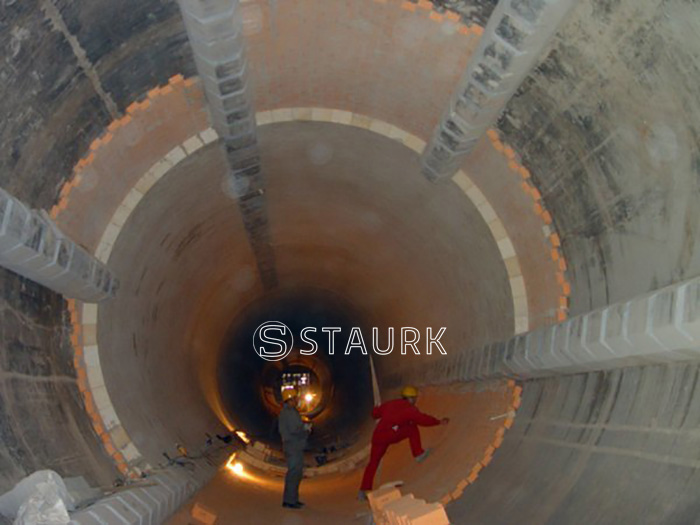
<point>399,419</point>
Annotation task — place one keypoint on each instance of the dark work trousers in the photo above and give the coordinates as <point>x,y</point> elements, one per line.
<point>294,454</point>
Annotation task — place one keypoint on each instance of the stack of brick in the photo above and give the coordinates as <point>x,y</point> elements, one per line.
<point>662,326</point>
<point>259,450</point>
<point>215,31</point>
<point>150,502</point>
<point>513,40</point>
<point>389,507</point>
<point>32,246</point>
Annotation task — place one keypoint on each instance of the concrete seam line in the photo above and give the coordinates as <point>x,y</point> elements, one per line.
<point>638,454</point>
<point>59,24</point>
<point>669,431</point>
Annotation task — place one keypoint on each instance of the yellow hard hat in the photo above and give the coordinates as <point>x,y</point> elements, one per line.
<point>289,393</point>
<point>409,391</point>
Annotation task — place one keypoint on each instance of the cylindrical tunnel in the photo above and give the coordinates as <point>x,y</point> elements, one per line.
<point>356,245</point>
<point>583,194</point>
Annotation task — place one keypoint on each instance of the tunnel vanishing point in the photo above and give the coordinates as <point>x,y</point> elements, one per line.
<point>524,173</point>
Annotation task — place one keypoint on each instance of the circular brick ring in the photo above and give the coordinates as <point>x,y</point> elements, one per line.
<point>84,318</point>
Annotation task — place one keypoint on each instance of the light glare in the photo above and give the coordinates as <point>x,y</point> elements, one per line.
<point>235,466</point>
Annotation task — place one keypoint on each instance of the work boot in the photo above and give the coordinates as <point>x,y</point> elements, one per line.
<point>422,457</point>
<point>362,495</point>
<point>292,505</point>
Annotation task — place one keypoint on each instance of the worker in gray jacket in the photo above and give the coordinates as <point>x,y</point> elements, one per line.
<point>294,433</point>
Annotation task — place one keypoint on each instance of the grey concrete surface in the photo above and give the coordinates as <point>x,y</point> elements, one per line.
<point>43,423</point>
<point>604,447</point>
<point>608,127</point>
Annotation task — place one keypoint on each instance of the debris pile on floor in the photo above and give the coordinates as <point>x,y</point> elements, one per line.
<point>202,515</point>
<point>389,507</point>
<point>41,498</point>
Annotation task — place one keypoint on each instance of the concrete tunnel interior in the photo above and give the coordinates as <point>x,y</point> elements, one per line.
<point>583,194</point>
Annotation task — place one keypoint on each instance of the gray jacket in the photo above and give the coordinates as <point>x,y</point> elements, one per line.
<point>291,428</point>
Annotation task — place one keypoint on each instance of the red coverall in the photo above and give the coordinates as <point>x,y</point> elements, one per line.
<point>398,419</point>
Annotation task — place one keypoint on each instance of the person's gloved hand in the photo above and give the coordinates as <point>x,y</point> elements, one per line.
<point>444,420</point>
<point>308,427</point>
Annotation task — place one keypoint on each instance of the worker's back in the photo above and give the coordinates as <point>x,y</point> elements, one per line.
<point>291,428</point>
<point>400,412</point>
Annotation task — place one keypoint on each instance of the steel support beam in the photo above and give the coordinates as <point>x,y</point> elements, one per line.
<point>513,40</point>
<point>660,327</point>
<point>215,31</point>
<point>32,246</point>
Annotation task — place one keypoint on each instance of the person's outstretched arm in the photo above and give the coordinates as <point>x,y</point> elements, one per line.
<point>424,420</point>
